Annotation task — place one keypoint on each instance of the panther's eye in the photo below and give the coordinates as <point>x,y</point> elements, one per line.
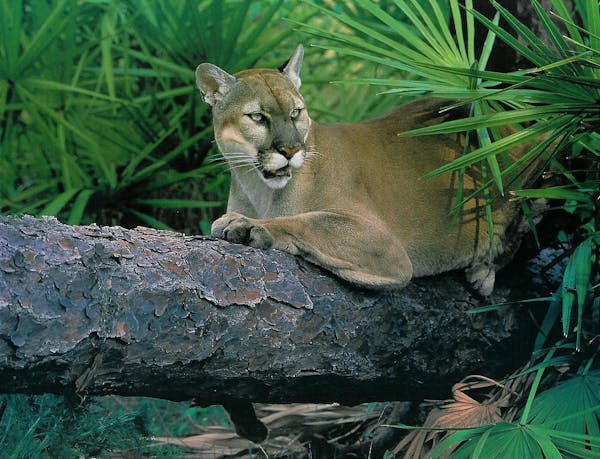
<point>257,117</point>
<point>295,113</point>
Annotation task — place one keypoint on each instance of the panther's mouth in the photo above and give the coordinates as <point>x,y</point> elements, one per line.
<point>285,171</point>
<point>276,168</point>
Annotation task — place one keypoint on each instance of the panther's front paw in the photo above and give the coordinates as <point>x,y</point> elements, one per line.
<point>238,229</point>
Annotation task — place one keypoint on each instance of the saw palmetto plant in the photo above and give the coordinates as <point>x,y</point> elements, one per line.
<point>554,105</point>
<point>99,117</point>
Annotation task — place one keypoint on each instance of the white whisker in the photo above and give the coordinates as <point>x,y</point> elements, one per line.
<point>241,166</point>
<point>312,157</point>
<point>311,153</point>
<point>240,161</point>
<point>215,159</point>
<point>240,158</point>
<point>243,163</point>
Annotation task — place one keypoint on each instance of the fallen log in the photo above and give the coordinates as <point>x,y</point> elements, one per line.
<point>106,310</point>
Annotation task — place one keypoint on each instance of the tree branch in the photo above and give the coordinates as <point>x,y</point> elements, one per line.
<point>105,310</point>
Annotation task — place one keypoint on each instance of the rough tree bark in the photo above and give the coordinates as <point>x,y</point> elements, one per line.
<point>104,310</point>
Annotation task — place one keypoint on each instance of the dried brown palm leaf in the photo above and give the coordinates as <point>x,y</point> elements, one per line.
<point>289,426</point>
<point>228,444</point>
<point>209,445</point>
<point>464,411</point>
<point>312,413</point>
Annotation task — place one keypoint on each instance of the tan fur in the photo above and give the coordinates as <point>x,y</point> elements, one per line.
<point>357,204</point>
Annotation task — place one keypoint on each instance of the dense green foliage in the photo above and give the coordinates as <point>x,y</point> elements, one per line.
<point>100,121</point>
<point>100,118</point>
<point>49,426</point>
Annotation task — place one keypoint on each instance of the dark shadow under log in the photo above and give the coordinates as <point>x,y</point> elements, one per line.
<point>104,310</point>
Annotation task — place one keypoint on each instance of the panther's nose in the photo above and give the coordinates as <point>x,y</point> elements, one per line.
<point>288,152</point>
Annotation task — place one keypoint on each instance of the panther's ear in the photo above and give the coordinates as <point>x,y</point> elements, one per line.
<point>292,68</point>
<point>213,82</point>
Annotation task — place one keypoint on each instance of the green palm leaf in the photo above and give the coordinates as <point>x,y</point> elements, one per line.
<point>571,406</point>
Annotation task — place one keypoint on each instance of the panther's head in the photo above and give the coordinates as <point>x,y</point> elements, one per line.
<point>259,117</point>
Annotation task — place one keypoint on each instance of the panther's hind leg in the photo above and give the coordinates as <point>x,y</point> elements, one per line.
<point>482,276</point>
